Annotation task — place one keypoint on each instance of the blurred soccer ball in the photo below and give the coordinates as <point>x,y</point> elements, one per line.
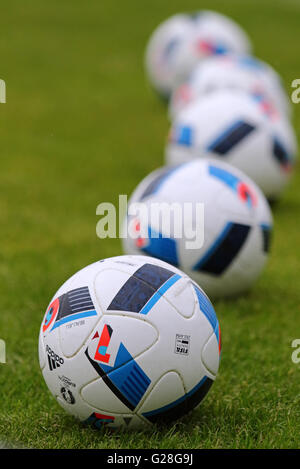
<point>129,341</point>
<point>180,42</point>
<point>240,129</point>
<point>237,224</point>
<point>234,72</point>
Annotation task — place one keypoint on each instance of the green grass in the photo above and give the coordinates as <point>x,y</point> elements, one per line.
<point>81,126</point>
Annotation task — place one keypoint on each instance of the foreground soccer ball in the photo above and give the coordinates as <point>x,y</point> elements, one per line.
<point>234,72</point>
<point>129,341</point>
<point>236,228</point>
<point>180,42</point>
<point>239,129</point>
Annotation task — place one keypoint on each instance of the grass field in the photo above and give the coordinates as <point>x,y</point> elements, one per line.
<point>81,126</point>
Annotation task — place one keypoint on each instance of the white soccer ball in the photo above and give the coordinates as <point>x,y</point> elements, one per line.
<point>129,341</point>
<point>180,42</point>
<point>239,129</point>
<point>236,228</point>
<point>234,72</point>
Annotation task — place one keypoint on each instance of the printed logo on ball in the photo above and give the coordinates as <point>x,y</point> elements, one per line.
<point>54,360</point>
<point>67,395</point>
<point>67,381</point>
<point>97,420</point>
<point>182,344</point>
<point>124,376</point>
<point>71,306</point>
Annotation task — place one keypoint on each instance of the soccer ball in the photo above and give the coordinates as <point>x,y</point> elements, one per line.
<point>161,52</point>
<point>236,228</point>
<point>236,127</point>
<point>128,342</point>
<point>234,72</point>
<point>180,42</point>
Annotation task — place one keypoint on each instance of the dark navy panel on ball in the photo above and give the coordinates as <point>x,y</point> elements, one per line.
<point>153,275</point>
<point>266,233</point>
<point>181,406</point>
<point>139,288</point>
<point>231,137</point>
<point>132,296</point>
<point>280,153</point>
<point>224,249</point>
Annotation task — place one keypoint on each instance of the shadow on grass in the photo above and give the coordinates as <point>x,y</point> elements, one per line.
<point>203,422</point>
<point>286,206</point>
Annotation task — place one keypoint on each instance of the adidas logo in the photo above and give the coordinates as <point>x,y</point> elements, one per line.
<point>54,360</point>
